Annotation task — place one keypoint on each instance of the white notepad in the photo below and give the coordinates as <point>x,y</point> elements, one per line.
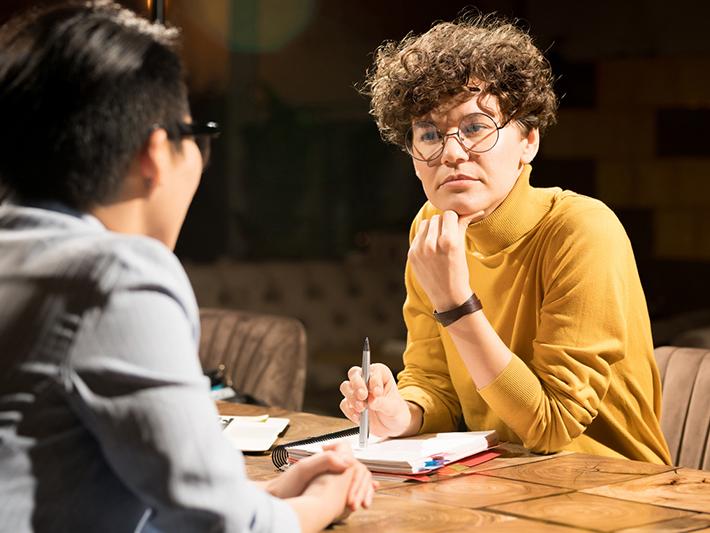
<point>252,433</point>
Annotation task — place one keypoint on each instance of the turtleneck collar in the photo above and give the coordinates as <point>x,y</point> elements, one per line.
<point>521,210</point>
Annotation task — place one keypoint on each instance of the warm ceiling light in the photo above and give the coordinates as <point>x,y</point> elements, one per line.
<point>158,11</point>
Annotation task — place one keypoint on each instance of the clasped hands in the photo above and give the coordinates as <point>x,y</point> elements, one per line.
<point>437,256</point>
<point>334,476</point>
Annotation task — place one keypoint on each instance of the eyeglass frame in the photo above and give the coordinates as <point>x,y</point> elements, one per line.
<point>201,132</point>
<point>457,135</point>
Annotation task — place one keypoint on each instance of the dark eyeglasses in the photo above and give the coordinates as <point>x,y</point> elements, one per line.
<point>202,134</point>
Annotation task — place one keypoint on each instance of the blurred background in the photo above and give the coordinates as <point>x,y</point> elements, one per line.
<point>304,212</point>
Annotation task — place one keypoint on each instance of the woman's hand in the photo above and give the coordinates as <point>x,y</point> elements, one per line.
<point>390,415</point>
<point>437,256</point>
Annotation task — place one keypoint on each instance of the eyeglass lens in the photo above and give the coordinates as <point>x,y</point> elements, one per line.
<point>477,132</point>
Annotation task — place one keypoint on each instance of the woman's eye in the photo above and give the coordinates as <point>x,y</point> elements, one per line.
<point>474,128</point>
<point>429,136</point>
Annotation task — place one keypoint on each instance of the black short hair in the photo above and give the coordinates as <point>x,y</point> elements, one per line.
<point>81,86</point>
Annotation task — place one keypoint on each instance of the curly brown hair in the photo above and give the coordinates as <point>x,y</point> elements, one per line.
<point>420,73</point>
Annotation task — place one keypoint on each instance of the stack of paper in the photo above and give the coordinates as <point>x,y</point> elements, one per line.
<point>411,455</point>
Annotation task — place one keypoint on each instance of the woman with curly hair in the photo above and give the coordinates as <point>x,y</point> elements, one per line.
<point>524,309</point>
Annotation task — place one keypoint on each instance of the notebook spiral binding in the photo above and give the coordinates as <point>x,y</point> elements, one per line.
<point>280,454</point>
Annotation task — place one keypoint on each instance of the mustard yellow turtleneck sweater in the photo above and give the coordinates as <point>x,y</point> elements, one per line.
<point>558,282</point>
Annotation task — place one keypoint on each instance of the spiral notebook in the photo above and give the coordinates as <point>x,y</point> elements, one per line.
<point>420,454</point>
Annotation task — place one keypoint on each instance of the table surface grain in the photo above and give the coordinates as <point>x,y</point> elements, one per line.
<point>517,491</point>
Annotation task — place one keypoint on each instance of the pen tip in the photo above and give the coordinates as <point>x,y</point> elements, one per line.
<point>366,345</point>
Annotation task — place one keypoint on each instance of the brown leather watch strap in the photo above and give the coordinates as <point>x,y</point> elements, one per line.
<point>471,305</point>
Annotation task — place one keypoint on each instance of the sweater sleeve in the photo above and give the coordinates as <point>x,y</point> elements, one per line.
<point>425,379</point>
<point>588,269</point>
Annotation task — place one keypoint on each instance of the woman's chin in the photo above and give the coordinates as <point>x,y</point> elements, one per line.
<point>460,209</point>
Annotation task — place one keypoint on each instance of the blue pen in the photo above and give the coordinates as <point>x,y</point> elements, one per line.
<point>364,433</point>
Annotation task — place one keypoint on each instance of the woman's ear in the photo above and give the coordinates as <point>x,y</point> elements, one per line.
<point>532,145</point>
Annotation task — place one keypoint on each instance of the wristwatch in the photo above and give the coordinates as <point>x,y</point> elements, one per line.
<point>471,305</point>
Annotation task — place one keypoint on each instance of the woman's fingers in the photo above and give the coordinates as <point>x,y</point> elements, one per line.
<point>349,412</point>
<point>354,390</point>
<point>375,384</point>
<point>357,384</point>
<point>450,231</point>
<point>432,237</point>
<point>361,488</point>
<point>357,395</point>
<point>346,389</point>
<point>420,235</point>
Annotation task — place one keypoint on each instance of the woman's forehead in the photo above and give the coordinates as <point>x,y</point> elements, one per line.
<point>464,103</point>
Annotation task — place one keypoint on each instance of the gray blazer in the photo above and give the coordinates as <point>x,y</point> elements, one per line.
<point>106,423</point>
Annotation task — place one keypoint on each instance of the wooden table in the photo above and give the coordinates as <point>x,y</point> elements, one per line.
<point>519,491</point>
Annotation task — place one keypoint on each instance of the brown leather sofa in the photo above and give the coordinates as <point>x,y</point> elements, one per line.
<point>685,414</point>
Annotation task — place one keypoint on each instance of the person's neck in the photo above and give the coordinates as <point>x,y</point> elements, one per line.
<point>521,210</point>
<point>123,216</point>
<point>134,211</point>
<point>132,216</point>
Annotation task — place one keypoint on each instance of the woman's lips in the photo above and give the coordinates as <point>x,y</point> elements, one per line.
<point>458,180</point>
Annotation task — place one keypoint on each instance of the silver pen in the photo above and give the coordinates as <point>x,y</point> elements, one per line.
<point>364,419</point>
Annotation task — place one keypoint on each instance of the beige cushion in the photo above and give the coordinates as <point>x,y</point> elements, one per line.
<point>264,355</point>
<point>685,415</point>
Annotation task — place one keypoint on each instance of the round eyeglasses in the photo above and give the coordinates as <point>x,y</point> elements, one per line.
<point>476,133</point>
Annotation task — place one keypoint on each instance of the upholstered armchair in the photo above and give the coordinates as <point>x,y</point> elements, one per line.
<point>264,356</point>
<point>685,411</point>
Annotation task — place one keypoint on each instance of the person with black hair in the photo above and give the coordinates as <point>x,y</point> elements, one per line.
<point>106,423</point>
